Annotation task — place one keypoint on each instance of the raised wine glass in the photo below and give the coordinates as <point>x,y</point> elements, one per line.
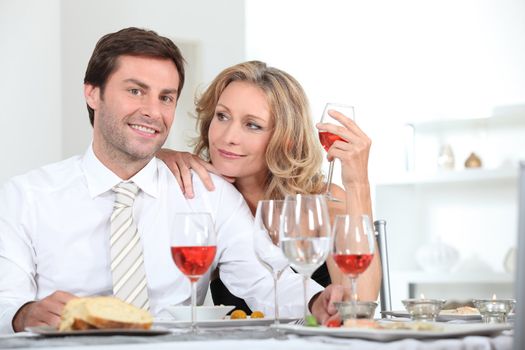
<point>305,235</point>
<point>266,243</point>
<point>327,138</point>
<point>353,248</point>
<point>193,246</point>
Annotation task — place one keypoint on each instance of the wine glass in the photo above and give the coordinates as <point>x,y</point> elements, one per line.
<point>305,235</point>
<point>327,138</point>
<point>266,243</point>
<point>353,248</point>
<point>193,247</point>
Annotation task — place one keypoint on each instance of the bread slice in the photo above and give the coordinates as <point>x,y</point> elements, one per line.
<point>71,316</point>
<point>103,313</point>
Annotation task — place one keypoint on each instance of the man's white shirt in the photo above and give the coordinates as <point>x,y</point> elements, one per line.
<point>54,235</point>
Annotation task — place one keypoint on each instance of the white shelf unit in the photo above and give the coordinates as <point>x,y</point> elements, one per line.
<point>453,176</point>
<point>418,276</point>
<point>450,286</point>
<point>472,210</point>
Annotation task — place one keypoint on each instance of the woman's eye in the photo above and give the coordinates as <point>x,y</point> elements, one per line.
<point>253,126</point>
<point>221,116</point>
<point>135,92</point>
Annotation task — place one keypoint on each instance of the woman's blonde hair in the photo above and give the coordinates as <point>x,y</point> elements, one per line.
<point>293,154</point>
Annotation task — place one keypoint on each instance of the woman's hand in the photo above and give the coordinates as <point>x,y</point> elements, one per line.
<point>180,164</point>
<point>353,153</point>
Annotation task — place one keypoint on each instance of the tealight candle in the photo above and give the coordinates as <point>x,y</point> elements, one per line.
<point>355,309</point>
<point>423,309</point>
<point>494,310</point>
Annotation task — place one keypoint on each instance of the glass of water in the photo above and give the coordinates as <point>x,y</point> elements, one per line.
<point>305,235</point>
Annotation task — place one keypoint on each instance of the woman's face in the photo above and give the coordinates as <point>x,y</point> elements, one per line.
<point>240,131</point>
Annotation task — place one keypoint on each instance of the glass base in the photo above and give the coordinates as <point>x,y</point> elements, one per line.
<point>331,198</point>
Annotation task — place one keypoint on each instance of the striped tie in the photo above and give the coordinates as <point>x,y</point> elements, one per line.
<point>127,260</point>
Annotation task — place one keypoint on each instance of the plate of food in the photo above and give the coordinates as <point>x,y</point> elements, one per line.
<point>238,318</point>
<point>183,313</point>
<point>464,313</point>
<point>49,331</point>
<point>101,316</point>
<point>395,330</point>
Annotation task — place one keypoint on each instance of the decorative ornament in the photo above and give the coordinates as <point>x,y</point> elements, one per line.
<point>446,158</point>
<point>473,161</point>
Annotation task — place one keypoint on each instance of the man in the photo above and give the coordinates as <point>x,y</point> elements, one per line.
<point>58,224</point>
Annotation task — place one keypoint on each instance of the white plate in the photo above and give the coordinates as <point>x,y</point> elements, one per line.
<point>446,330</point>
<point>183,313</point>
<point>220,323</point>
<point>444,316</point>
<point>53,332</point>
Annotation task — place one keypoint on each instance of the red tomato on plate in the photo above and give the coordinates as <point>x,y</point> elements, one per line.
<point>333,323</point>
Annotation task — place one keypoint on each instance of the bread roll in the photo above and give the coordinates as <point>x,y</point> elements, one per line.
<point>103,313</point>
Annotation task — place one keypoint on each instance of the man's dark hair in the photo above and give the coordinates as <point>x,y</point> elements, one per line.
<point>129,41</point>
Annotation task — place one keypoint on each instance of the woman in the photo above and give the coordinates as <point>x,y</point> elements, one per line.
<point>256,131</point>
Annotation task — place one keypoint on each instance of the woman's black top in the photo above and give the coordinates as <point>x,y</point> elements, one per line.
<point>222,296</point>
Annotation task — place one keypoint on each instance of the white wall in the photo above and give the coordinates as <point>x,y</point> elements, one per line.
<point>413,60</point>
<point>212,30</point>
<point>30,115</point>
<point>45,47</point>
<point>396,61</point>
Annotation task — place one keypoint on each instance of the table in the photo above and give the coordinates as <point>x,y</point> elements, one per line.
<point>246,338</point>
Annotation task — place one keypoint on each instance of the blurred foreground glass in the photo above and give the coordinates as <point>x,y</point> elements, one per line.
<point>193,246</point>
<point>266,243</point>
<point>305,235</point>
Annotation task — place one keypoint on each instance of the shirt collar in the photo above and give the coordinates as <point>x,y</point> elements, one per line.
<point>100,179</point>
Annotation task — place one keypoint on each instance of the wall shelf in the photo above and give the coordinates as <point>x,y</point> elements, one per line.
<point>452,176</point>
<point>501,116</point>
<point>420,276</point>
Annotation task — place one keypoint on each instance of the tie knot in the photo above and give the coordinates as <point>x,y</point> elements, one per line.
<point>126,193</point>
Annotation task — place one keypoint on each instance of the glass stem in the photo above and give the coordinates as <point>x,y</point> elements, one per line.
<point>276,309</point>
<point>353,296</point>
<point>353,283</point>
<point>193,306</point>
<point>330,174</point>
<point>305,283</point>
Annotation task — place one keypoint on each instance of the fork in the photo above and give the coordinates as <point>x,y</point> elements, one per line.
<point>299,322</point>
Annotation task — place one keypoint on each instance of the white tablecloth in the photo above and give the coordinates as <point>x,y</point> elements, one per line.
<point>256,338</point>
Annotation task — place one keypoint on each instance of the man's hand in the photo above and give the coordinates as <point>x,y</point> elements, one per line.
<point>323,306</point>
<point>45,312</point>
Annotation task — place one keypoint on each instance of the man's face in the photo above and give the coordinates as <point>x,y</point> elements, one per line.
<point>134,114</point>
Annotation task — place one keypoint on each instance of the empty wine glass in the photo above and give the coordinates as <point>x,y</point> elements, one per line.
<point>305,235</point>
<point>193,247</point>
<point>327,138</point>
<point>266,243</point>
<point>353,248</point>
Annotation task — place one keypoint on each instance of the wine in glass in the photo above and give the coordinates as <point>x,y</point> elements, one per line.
<point>353,248</point>
<point>305,235</point>
<point>193,247</point>
<point>327,138</point>
<point>266,243</point>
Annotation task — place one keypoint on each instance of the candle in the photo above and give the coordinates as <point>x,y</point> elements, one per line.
<point>494,310</point>
<point>356,309</point>
<point>423,309</point>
